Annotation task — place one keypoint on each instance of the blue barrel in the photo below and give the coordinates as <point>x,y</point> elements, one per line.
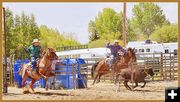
<point>26,61</point>
<point>82,80</point>
<point>43,83</point>
<point>81,61</point>
<point>17,77</point>
<point>72,83</point>
<point>69,61</point>
<point>65,77</point>
<point>61,80</point>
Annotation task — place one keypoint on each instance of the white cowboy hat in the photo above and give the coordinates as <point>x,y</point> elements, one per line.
<point>116,41</point>
<point>35,40</point>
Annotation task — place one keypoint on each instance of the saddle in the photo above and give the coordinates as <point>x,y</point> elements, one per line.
<point>37,66</point>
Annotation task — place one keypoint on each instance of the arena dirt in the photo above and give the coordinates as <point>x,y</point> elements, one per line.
<point>102,91</point>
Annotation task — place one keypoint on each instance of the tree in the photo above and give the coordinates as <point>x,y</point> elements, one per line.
<point>108,21</point>
<point>108,26</point>
<point>52,38</point>
<point>93,34</point>
<point>165,34</point>
<point>130,33</point>
<point>35,32</point>
<point>9,34</point>
<point>147,16</point>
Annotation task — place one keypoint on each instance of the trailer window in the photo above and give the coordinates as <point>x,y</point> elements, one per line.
<point>175,52</point>
<point>136,50</point>
<point>148,50</point>
<point>166,50</point>
<point>141,50</point>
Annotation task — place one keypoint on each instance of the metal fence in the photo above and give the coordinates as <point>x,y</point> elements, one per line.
<point>164,65</point>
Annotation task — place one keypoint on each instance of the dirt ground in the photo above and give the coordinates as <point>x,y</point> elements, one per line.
<point>154,90</point>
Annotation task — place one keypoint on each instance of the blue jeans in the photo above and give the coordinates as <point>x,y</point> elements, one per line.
<point>33,61</point>
<point>111,61</point>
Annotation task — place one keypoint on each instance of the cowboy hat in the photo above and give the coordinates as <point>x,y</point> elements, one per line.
<point>116,41</point>
<point>35,40</point>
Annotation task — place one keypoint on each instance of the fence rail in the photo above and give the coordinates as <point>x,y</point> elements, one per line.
<point>165,66</point>
<point>65,48</point>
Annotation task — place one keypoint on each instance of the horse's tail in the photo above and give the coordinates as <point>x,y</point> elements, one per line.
<point>94,68</point>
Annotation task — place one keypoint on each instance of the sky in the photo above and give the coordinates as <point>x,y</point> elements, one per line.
<point>74,17</point>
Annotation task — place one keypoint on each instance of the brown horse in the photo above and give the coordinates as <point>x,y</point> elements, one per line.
<point>135,75</point>
<point>44,69</point>
<point>102,67</point>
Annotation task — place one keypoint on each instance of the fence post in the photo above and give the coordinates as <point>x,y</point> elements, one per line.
<point>173,68</point>
<point>170,65</point>
<point>5,57</point>
<point>161,65</point>
<point>153,65</point>
<point>165,68</point>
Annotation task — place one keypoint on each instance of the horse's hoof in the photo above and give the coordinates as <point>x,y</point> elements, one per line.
<point>32,91</point>
<point>25,91</point>
<point>142,87</point>
<point>46,89</point>
<point>134,86</point>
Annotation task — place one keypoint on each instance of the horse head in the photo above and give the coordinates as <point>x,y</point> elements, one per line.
<point>50,54</point>
<point>132,54</point>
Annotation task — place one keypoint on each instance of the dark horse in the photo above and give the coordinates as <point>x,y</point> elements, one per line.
<point>136,75</point>
<point>44,69</point>
<point>102,67</point>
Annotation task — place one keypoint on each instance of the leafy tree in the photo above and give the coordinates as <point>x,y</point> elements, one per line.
<point>130,33</point>
<point>108,21</point>
<point>93,34</point>
<point>9,34</point>
<point>108,26</point>
<point>52,38</point>
<point>165,34</point>
<point>35,32</point>
<point>22,29</point>
<point>147,16</point>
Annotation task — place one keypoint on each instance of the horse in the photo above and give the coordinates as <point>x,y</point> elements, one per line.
<point>136,75</point>
<point>43,69</point>
<point>102,67</point>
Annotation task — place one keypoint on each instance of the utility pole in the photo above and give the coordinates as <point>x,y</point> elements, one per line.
<point>124,24</point>
<point>5,57</point>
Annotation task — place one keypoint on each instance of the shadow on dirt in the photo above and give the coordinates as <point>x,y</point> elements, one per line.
<point>50,93</point>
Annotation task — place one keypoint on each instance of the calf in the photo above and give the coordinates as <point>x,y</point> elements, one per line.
<point>136,75</point>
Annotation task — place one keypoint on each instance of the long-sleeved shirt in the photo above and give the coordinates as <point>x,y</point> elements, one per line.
<point>114,49</point>
<point>34,51</point>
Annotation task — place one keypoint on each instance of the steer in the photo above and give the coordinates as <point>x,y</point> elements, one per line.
<point>136,75</point>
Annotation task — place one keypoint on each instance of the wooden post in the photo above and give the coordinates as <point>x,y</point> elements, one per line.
<point>5,57</point>
<point>153,65</point>
<point>173,68</point>
<point>165,68</point>
<point>124,24</point>
<point>161,65</point>
<point>170,66</point>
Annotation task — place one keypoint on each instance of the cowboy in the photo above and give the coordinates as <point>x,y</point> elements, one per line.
<point>35,52</point>
<point>114,51</point>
